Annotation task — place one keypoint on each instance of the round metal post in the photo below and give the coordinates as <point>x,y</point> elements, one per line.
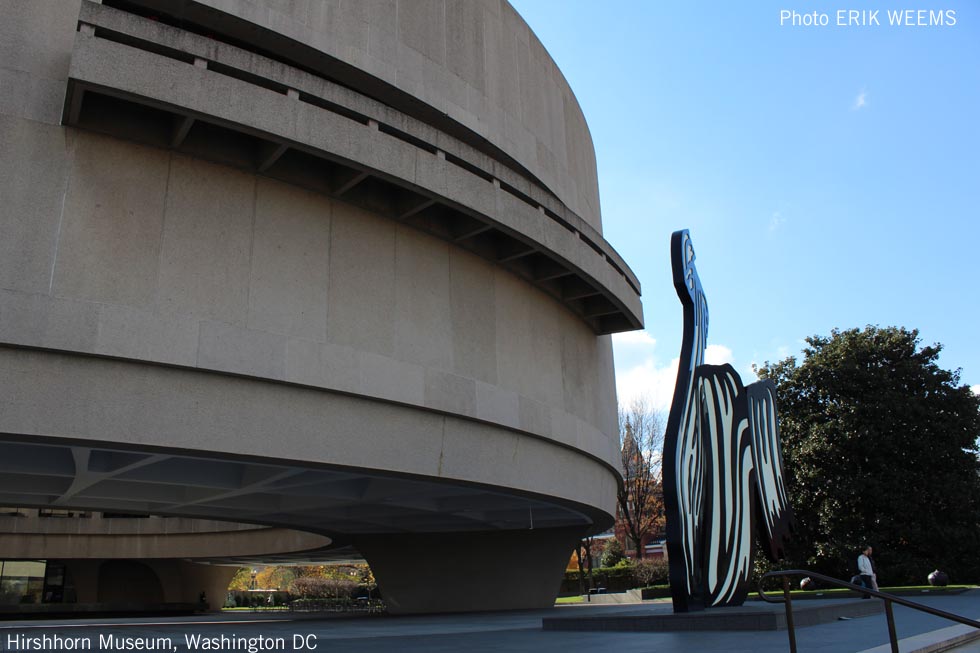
<point>892,637</point>
<point>789,616</point>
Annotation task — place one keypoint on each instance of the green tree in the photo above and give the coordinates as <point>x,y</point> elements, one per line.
<point>880,446</point>
<point>613,553</point>
<point>242,580</point>
<point>276,577</point>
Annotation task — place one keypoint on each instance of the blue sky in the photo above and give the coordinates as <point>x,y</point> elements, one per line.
<point>830,176</point>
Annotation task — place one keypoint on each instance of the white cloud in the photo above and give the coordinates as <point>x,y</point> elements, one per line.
<point>653,381</point>
<point>776,221</point>
<point>634,338</point>
<point>648,381</point>
<point>860,101</point>
<point>782,352</point>
<point>718,355</point>
<point>976,389</point>
<point>638,374</point>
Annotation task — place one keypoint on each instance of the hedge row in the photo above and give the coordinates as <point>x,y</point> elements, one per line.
<point>626,575</point>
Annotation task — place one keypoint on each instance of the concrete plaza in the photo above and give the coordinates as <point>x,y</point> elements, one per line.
<point>500,631</point>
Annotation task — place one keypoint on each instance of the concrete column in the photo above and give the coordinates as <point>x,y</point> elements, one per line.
<point>469,572</point>
<point>213,580</point>
<point>171,580</point>
<point>183,581</point>
<point>130,582</point>
<point>85,576</point>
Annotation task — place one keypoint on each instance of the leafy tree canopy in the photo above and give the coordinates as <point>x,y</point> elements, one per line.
<point>613,553</point>
<point>880,446</point>
<point>242,580</point>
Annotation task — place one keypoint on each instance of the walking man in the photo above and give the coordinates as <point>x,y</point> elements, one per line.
<point>865,570</point>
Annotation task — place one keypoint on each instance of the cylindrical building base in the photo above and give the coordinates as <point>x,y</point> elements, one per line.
<point>467,572</point>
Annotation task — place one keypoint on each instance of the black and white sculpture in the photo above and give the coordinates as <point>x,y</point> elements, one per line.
<point>722,464</point>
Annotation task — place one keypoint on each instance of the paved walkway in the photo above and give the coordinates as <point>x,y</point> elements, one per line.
<point>502,631</point>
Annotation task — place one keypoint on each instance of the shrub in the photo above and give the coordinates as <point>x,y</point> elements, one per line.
<point>612,554</point>
<point>651,571</point>
<point>625,574</point>
<point>317,587</point>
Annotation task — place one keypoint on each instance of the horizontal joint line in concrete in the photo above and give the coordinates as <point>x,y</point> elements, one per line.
<point>112,21</point>
<point>165,93</point>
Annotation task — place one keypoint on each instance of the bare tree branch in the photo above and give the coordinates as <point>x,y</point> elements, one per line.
<point>641,431</point>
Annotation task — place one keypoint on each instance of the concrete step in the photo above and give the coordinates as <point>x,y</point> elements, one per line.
<point>958,638</point>
<point>747,617</point>
<point>629,596</point>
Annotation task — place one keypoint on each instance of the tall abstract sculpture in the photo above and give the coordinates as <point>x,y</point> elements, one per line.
<point>722,464</point>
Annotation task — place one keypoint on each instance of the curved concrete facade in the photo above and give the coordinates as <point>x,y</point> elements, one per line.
<point>475,64</point>
<point>98,536</point>
<point>336,268</point>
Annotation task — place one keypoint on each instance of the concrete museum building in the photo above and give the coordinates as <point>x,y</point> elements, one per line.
<point>285,279</point>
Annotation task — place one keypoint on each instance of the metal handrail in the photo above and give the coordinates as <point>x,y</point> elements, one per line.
<point>884,596</point>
